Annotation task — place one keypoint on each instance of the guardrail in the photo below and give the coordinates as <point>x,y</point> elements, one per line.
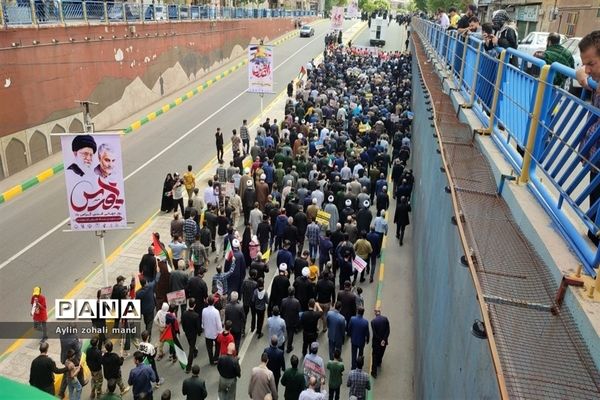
<point>548,135</point>
<point>71,12</point>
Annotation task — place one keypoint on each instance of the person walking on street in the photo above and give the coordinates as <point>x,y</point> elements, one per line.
<point>262,381</point>
<point>93,359</point>
<point>141,378</point>
<point>401,218</point>
<point>229,372</point>
<point>192,327</point>
<point>380,327</point>
<point>293,380</point>
<point>234,312</point>
<point>146,297</point>
<point>359,334</point>
<point>336,327</point>
<point>219,143</point>
<point>260,300</point>
<point>73,368</point>
<point>194,387</point>
<point>42,370</point>
<point>189,181</point>
<point>309,322</point>
<point>39,312</point>
<point>358,380</point>
<point>111,366</point>
<point>211,323</point>
<point>315,389</point>
<point>276,361</point>
<point>336,371</point>
<point>290,312</point>
<point>245,136</point>
<point>348,300</point>
<point>149,352</point>
<point>276,327</point>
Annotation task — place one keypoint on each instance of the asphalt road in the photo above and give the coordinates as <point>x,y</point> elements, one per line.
<point>35,250</point>
<point>57,260</point>
<point>396,376</point>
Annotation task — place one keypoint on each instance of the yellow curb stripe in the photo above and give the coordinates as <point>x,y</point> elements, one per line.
<point>45,175</point>
<point>14,191</point>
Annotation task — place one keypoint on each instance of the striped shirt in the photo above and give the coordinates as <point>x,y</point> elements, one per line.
<point>190,229</point>
<point>312,233</point>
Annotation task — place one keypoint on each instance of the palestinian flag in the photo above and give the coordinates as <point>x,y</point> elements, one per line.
<point>160,251</point>
<point>302,73</point>
<point>167,337</point>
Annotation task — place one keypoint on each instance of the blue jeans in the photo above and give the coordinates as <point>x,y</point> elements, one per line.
<point>74,389</point>
<point>312,249</point>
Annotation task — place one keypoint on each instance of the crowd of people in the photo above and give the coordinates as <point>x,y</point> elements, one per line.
<point>314,204</point>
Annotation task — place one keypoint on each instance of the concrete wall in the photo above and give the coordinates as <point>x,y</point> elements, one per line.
<point>122,67</point>
<point>451,363</point>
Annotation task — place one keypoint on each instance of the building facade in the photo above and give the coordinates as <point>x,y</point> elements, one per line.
<point>576,17</point>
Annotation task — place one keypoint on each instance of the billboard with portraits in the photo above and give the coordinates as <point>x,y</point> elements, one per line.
<point>94,181</point>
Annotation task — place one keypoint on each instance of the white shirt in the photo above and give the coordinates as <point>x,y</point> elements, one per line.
<point>211,322</point>
<point>345,173</point>
<point>444,21</point>
<point>209,196</point>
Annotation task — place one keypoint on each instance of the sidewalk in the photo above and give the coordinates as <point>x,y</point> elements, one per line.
<point>15,362</point>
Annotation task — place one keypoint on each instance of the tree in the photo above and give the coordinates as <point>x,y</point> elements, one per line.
<point>374,5</point>
<point>433,5</point>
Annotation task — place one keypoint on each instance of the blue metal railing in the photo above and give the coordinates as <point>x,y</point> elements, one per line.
<point>560,161</point>
<point>35,12</point>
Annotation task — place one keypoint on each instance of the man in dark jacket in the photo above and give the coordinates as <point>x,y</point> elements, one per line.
<point>148,265</point>
<point>146,297</point>
<point>380,326</point>
<point>194,387</point>
<point>192,327</point>
<point>276,361</point>
<point>304,289</point>
<point>290,312</point>
<point>93,358</point>
<point>279,287</point>
<point>556,52</point>
<point>198,289</point>
<point>348,300</point>
<point>43,368</point>
<point>111,366</point>
<point>359,334</point>
<point>234,312</point>
<point>263,232</point>
<point>290,233</point>
<point>301,223</point>
<point>293,380</point>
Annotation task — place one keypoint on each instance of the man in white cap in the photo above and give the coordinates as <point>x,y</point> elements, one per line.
<point>312,209</point>
<point>279,287</point>
<point>332,210</point>
<point>364,217</point>
<point>346,212</point>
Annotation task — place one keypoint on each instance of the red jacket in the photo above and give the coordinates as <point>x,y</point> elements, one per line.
<point>41,312</point>
<point>223,341</point>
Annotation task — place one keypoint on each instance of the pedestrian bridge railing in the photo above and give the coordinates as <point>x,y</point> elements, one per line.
<point>548,135</point>
<point>72,12</point>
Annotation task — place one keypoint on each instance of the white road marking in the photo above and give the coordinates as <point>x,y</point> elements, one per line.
<point>63,222</point>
